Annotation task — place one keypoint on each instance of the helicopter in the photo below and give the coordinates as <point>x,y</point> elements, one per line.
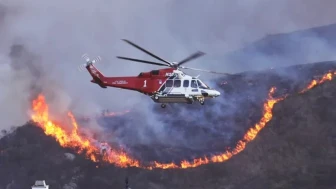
<point>168,85</point>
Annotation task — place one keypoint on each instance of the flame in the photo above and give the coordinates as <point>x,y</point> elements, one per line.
<point>74,139</point>
<point>326,77</point>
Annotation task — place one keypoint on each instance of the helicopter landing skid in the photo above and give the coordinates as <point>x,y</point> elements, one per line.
<point>176,98</point>
<point>201,101</point>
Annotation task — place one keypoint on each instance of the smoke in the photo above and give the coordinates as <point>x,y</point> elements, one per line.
<point>42,43</point>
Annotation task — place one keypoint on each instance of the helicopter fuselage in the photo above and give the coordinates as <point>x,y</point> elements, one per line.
<point>163,85</point>
<point>168,85</point>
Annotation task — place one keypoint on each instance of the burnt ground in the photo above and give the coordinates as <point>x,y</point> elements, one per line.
<point>295,150</point>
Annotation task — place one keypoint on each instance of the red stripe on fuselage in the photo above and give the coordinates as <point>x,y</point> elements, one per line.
<point>146,82</point>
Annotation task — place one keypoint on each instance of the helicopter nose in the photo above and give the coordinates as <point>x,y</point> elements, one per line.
<point>216,93</point>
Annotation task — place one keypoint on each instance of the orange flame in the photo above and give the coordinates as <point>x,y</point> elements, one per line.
<point>121,159</point>
<point>73,139</point>
<point>326,77</point>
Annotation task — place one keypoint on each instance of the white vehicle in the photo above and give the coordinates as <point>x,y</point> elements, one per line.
<point>40,184</point>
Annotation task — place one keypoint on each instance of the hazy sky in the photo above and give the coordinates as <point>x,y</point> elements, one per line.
<point>59,32</point>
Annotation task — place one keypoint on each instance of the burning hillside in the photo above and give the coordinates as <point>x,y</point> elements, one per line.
<point>100,161</point>
<point>75,140</point>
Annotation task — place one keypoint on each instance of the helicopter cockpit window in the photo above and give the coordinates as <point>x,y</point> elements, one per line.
<point>177,83</point>
<point>186,83</point>
<point>202,85</point>
<point>169,83</point>
<point>193,84</point>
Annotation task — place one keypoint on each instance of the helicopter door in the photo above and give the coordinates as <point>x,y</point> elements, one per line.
<point>185,86</point>
<point>193,87</point>
<point>177,89</point>
<point>168,86</point>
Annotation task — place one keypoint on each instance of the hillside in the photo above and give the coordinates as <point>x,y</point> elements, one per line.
<point>295,150</point>
<point>299,47</point>
<point>226,118</point>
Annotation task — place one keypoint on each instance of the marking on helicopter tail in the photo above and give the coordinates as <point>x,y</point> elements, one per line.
<point>120,82</point>
<point>94,72</point>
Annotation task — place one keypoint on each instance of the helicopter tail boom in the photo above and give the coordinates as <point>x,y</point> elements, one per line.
<point>97,76</point>
<point>129,82</point>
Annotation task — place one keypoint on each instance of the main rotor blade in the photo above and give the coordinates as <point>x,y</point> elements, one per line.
<point>205,70</point>
<point>142,61</point>
<point>191,57</point>
<point>144,50</point>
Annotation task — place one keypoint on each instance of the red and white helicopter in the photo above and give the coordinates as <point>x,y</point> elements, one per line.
<point>169,85</point>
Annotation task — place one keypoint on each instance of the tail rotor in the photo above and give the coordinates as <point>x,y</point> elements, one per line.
<point>86,57</point>
<point>96,60</point>
<point>81,67</point>
<point>88,62</point>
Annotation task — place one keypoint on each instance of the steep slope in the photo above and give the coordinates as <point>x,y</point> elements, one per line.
<point>295,150</point>
<point>197,130</point>
<point>310,45</point>
<point>278,43</point>
<point>28,154</point>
